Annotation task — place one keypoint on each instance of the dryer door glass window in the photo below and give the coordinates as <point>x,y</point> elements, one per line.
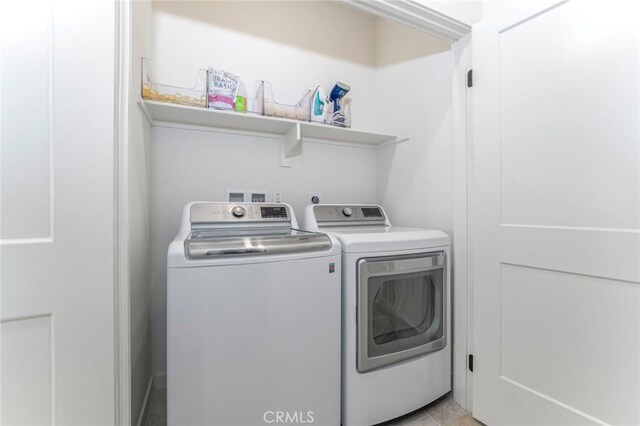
<point>402,309</point>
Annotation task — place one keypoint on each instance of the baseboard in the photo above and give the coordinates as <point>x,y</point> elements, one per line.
<point>160,380</point>
<point>156,382</point>
<point>146,401</point>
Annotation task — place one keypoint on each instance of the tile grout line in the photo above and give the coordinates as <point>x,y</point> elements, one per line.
<point>431,417</point>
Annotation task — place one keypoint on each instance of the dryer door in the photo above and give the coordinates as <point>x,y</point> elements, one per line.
<point>401,308</point>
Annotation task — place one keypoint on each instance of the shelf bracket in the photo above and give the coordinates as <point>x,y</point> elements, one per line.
<point>291,145</point>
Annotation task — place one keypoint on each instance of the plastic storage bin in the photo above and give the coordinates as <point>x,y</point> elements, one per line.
<point>264,103</point>
<point>340,118</point>
<point>154,91</point>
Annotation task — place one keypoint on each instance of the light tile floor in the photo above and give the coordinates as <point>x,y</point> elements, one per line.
<point>443,412</point>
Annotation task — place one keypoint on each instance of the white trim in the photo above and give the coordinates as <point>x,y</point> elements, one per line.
<point>157,381</point>
<point>198,128</point>
<point>399,139</point>
<point>415,15</point>
<point>22,241</point>
<point>26,317</point>
<point>469,275</point>
<point>572,228</point>
<point>145,402</point>
<point>123,413</point>
<point>272,136</point>
<point>462,378</point>
<point>340,144</point>
<point>555,401</point>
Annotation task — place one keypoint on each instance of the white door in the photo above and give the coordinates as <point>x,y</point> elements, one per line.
<point>57,212</point>
<point>555,215</point>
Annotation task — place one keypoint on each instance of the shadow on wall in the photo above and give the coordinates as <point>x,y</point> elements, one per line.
<point>324,27</point>
<point>311,25</point>
<point>396,44</point>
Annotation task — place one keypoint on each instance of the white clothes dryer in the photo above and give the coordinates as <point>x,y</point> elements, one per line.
<point>396,344</point>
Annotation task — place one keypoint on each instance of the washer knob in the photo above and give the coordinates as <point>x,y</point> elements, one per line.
<point>347,211</point>
<point>238,211</point>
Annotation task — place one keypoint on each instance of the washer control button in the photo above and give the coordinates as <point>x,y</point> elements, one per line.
<point>347,211</point>
<point>238,211</point>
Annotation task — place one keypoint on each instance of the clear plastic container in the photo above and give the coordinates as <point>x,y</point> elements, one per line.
<point>154,91</point>
<point>264,103</point>
<point>342,117</point>
<point>255,104</point>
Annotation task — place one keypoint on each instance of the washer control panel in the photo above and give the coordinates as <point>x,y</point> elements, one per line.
<point>238,211</point>
<point>332,213</point>
<point>222,212</point>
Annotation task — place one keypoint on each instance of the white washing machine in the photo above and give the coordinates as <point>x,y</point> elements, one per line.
<point>396,345</point>
<point>253,319</point>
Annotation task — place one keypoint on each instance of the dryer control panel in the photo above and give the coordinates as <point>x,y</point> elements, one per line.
<point>349,213</point>
<point>232,213</point>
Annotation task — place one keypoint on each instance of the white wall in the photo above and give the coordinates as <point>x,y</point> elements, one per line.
<point>139,238</point>
<point>415,179</point>
<point>289,44</point>
<point>491,8</point>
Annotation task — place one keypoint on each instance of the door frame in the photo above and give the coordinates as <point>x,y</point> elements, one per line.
<point>122,368</point>
<point>461,292</point>
<point>462,277</point>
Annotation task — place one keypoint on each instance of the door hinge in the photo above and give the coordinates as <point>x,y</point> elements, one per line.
<point>470,78</point>
<point>471,363</point>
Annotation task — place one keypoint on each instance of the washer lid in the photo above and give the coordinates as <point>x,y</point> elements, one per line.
<point>363,239</point>
<point>207,244</point>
